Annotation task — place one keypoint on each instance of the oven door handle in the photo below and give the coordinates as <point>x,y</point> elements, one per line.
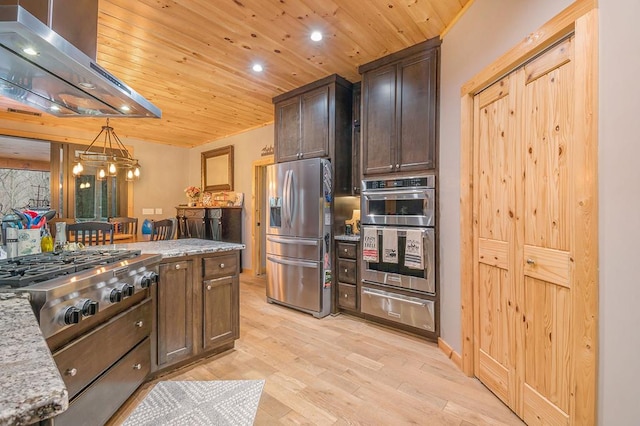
<point>400,194</point>
<point>401,232</point>
<point>293,262</point>
<point>397,298</point>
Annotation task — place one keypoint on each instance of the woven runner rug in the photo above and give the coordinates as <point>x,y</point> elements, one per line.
<point>224,402</point>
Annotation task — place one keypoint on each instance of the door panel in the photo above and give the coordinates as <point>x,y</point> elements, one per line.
<point>315,123</point>
<point>548,195</point>
<point>496,291</point>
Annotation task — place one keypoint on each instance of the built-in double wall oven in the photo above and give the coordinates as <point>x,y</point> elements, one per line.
<point>398,240</point>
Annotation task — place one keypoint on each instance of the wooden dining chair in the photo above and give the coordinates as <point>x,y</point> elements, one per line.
<point>90,233</point>
<point>162,229</point>
<point>125,225</point>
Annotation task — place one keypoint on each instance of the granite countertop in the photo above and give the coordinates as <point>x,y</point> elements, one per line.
<point>352,237</point>
<point>32,389</point>
<point>174,248</point>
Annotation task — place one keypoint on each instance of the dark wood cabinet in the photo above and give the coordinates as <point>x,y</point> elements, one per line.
<point>399,110</point>
<point>355,139</point>
<point>315,121</point>
<point>220,320</point>
<point>175,312</point>
<point>198,307</point>
<point>348,265</point>
<point>210,223</point>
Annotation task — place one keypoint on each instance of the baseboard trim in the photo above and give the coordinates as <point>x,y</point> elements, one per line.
<point>450,353</point>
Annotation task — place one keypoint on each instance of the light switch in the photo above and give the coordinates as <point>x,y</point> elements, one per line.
<point>147,211</point>
<point>158,211</point>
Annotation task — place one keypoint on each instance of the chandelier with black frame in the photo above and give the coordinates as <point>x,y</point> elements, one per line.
<point>113,156</point>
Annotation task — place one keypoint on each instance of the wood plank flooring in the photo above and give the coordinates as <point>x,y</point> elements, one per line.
<point>340,370</point>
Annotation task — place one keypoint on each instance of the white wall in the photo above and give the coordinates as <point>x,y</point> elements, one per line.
<point>484,33</point>
<point>162,180</point>
<point>247,148</point>
<point>619,208</point>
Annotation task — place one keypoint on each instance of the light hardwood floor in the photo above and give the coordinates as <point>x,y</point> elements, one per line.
<point>340,370</point>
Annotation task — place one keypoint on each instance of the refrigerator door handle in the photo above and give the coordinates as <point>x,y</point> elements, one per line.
<point>286,198</point>
<point>292,241</point>
<point>293,262</point>
<point>291,197</point>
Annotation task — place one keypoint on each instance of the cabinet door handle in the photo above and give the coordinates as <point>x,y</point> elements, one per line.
<point>346,270</point>
<point>397,166</point>
<point>177,266</point>
<point>139,324</point>
<point>209,287</point>
<point>71,372</point>
<point>222,266</point>
<point>531,261</point>
<point>137,366</point>
<point>346,250</point>
<point>390,166</point>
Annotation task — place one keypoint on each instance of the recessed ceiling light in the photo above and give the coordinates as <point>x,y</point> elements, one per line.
<point>30,51</point>
<point>125,108</point>
<point>54,108</point>
<point>257,67</point>
<point>87,85</point>
<point>316,36</point>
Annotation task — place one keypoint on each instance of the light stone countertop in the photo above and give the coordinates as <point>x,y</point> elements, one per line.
<point>353,237</point>
<point>32,389</point>
<point>174,248</point>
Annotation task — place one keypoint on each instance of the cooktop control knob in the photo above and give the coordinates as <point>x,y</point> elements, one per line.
<point>88,307</point>
<point>148,278</point>
<point>71,315</point>
<point>115,296</point>
<point>127,290</point>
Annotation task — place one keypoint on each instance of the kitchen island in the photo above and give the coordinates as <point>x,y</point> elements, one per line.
<point>196,300</point>
<point>32,389</point>
<point>195,313</point>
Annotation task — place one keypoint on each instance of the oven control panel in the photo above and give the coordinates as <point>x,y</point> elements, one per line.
<point>400,183</point>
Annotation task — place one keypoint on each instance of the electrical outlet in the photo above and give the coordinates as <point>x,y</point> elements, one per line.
<point>158,211</point>
<point>147,211</point>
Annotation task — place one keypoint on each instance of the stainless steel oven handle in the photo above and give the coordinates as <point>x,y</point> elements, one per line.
<point>381,195</point>
<point>283,240</point>
<point>401,232</point>
<point>293,262</point>
<point>398,298</point>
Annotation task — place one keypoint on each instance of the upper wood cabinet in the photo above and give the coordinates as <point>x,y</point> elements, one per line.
<point>315,121</point>
<point>399,110</point>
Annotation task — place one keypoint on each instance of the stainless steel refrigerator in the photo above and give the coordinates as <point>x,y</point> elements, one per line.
<point>299,235</point>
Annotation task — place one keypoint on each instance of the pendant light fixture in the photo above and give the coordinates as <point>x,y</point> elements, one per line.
<point>112,156</point>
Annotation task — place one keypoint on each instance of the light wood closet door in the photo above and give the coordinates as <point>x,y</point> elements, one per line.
<point>524,140</point>
<point>496,291</point>
<point>548,138</point>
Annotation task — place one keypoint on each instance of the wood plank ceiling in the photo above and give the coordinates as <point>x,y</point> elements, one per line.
<point>193,58</point>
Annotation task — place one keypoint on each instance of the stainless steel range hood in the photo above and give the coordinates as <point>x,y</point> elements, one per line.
<point>39,68</point>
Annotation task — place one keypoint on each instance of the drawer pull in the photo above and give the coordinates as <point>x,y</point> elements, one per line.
<point>209,287</point>
<point>137,366</point>
<point>346,296</point>
<point>222,266</point>
<point>178,266</point>
<point>139,324</point>
<point>71,372</point>
<point>531,261</point>
<point>346,250</point>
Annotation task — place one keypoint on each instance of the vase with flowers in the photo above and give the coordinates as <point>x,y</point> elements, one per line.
<point>193,193</point>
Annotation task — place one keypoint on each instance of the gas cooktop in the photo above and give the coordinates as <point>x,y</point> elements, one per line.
<point>24,271</point>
